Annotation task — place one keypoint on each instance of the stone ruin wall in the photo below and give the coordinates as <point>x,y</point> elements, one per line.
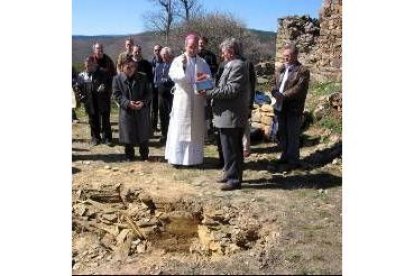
<point>319,41</point>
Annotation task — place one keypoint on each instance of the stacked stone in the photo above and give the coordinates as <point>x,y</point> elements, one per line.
<point>319,41</point>
<point>301,30</point>
<point>262,118</point>
<point>265,69</point>
<point>329,43</point>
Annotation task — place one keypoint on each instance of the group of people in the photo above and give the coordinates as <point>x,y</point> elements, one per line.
<point>168,85</point>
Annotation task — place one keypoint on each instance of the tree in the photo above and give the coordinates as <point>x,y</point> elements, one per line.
<point>162,20</point>
<point>186,16</point>
<point>216,27</point>
<point>189,9</point>
<point>170,11</point>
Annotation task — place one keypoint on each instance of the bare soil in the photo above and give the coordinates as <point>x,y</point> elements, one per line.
<point>150,218</point>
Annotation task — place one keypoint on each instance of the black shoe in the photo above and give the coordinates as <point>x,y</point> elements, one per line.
<point>95,142</point>
<point>287,167</point>
<point>130,158</point>
<point>294,165</point>
<point>221,179</point>
<point>143,158</point>
<point>129,153</point>
<point>230,187</point>
<point>280,162</point>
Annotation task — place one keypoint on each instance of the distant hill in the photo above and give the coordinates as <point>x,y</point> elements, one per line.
<point>114,44</point>
<point>86,37</point>
<point>264,36</point>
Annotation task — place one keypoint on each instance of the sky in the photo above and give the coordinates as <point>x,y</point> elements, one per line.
<point>112,17</point>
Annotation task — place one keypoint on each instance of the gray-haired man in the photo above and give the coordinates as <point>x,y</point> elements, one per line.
<point>230,112</point>
<point>290,90</point>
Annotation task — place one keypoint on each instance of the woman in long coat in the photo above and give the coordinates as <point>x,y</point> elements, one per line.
<point>133,93</point>
<point>185,138</point>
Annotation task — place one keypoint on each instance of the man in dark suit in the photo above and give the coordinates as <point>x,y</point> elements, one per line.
<point>107,68</point>
<point>230,112</point>
<point>290,90</point>
<point>92,89</point>
<point>132,91</point>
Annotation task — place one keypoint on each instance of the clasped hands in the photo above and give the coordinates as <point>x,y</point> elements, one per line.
<point>135,105</point>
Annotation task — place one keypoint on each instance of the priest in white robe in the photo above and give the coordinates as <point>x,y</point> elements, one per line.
<point>185,138</point>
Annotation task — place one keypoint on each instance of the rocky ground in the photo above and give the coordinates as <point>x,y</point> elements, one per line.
<point>150,218</point>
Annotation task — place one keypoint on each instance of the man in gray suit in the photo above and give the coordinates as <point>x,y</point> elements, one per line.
<point>230,107</point>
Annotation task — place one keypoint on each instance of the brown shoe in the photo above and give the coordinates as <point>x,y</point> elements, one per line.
<point>230,187</point>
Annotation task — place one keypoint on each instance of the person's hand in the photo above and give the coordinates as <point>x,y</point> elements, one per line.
<point>133,105</point>
<point>201,76</point>
<point>279,96</point>
<point>139,105</point>
<point>202,92</point>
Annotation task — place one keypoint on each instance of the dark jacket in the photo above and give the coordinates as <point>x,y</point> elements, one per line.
<point>106,65</point>
<point>95,100</point>
<point>296,87</point>
<point>211,60</point>
<point>231,97</point>
<point>144,66</point>
<point>134,125</point>
<point>252,82</point>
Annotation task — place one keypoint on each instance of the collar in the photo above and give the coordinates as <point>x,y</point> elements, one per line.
<point>291,67</point>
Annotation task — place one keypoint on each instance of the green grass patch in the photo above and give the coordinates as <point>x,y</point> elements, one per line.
<point>324,88</point>
<point>331,122</point>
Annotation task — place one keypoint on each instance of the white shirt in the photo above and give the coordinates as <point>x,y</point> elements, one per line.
<point>279,104</point>
<point>285,76</point>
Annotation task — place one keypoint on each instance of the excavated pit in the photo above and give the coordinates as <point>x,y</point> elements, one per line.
<point>180,232</point>
<point>126,222</point>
